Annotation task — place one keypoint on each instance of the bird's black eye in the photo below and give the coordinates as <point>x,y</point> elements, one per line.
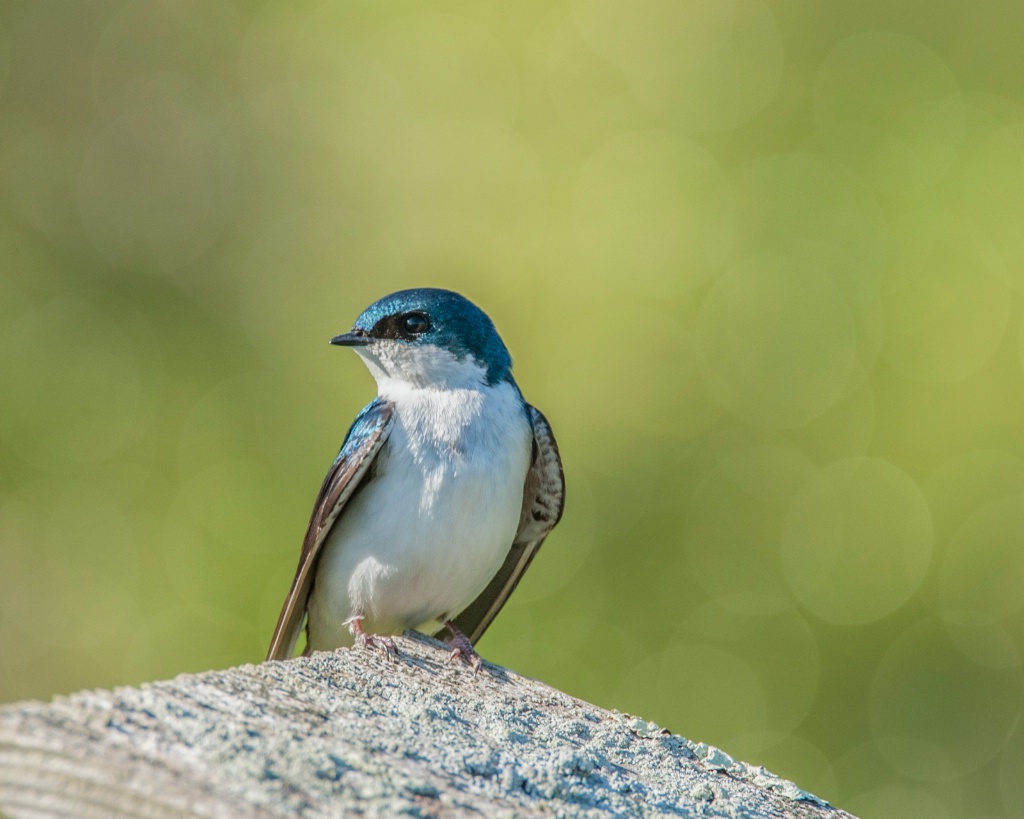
<point>415,324</point>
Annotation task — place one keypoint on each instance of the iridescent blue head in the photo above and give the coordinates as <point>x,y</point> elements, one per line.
<point>429,336</point>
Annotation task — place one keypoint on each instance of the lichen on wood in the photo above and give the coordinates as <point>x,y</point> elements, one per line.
<point>350,732</point>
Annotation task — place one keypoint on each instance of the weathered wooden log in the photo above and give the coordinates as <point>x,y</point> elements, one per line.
<point>351,732</point>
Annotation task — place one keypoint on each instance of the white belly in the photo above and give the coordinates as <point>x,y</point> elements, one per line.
<point>430,530</point>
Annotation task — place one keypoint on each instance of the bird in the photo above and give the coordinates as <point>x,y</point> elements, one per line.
<point>442,493</point>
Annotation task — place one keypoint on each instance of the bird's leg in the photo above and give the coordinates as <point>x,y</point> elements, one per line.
<point>385,643</point>
<point>461,647</point>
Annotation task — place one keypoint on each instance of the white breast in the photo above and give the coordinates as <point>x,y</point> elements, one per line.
<point>432,527</point>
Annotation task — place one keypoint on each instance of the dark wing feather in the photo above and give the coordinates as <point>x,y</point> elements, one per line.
<point>365,438</point>
<point>543,501</point>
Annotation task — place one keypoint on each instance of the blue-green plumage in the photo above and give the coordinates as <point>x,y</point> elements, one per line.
<point>456,325</point>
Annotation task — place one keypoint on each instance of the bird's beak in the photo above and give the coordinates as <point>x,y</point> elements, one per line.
<point>357,338</point>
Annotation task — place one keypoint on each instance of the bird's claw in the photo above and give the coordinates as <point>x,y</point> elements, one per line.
<point>462,647</point>
<point>382,642</point>
<point>385,644</point>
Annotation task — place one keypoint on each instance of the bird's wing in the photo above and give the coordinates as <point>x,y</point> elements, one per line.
<point>543,500</point>
<point>348,472</point>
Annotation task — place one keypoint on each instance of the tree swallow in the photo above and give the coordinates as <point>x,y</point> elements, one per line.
<point>443,491</point>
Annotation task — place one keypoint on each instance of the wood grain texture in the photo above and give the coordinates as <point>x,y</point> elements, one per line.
<point>351,733</point>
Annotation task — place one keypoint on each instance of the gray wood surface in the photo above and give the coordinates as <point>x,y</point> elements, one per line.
<point>350,733</point>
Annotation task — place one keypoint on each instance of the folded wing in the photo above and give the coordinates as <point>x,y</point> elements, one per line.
<point>348,472</point>
<point>543,500</point>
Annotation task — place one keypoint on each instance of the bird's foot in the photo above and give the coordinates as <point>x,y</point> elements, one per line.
<point>382,642</point>
<point>461,647</point>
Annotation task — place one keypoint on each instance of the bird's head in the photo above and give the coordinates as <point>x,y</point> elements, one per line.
<point>428,337</point>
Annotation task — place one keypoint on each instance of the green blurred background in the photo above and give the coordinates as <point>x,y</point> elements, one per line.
<point>760,263</point>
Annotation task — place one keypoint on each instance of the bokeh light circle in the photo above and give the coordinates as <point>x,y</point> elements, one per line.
<point>725,700</point>
<point>812,202</point>
<point>653,211</point>
<point>792,757</point>
<point>890,108</point>
<point>962,485</point>
<point>453,189</point>
<point>857,540</point>
<point>733,524</point>
<point>729,699</point>
<point>582,90</point>
<point>945,298</point>
<point>788,665</point>
<point>777,340</point>
<point>845,429</point>
<point>360,80</point>
<point>994,195</point>
<point>704,66</point>
<point>919,678</point>
<point>812,212</point>
<point>986,643</point>
<point>651,38</point>
<point>643,384</point>
<point>448,65</point>
<point>982,572</point>
<point>919,759</point>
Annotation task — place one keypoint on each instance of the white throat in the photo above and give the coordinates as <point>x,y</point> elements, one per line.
<point>398,367</point>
